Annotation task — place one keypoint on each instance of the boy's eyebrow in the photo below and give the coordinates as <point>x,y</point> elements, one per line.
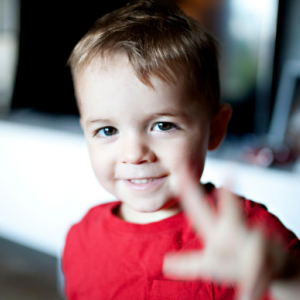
<point>175,114</point>
<point>92,121</point>
<point>168,114</point>
<point>89,121</point>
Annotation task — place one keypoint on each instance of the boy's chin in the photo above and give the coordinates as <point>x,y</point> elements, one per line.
<point>151,205</point>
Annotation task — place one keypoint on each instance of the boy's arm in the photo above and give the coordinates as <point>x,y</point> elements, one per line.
<point>233,252</point>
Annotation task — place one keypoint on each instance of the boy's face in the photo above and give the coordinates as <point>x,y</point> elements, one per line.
<point>138,136</point>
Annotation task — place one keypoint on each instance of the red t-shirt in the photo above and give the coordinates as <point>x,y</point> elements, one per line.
<point>107,258</point>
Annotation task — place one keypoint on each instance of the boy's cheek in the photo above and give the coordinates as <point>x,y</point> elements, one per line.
<point>189,156</point>
<point>106,180</point>
<point>103,167</point>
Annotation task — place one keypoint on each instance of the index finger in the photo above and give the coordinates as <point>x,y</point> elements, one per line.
<point>194,203</point>
<point>230,206</point>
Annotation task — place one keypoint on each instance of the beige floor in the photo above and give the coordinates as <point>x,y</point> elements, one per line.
<point>26,274</point>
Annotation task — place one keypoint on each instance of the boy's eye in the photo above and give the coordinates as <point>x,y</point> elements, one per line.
<point>164,126</point>
<point>107,131</point>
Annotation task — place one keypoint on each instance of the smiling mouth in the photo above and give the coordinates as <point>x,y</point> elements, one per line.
<point>144,180</point>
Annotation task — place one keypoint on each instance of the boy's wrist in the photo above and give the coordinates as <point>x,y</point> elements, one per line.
<point>286,282</point>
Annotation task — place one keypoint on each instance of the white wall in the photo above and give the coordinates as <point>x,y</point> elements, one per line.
<point>46,184</point>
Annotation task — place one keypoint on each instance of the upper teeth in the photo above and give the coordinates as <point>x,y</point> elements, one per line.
<point>139,181</point>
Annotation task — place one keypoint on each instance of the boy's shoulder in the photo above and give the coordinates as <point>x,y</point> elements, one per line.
<point>99,211</point>
<point>92,220</point>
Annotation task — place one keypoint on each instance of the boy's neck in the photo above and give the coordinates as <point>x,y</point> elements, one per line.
<point>127,214</point>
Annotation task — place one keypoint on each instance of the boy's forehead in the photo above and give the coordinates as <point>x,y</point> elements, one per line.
<point>117,65</point>
<point>101,67</point>
<point>115,78</point>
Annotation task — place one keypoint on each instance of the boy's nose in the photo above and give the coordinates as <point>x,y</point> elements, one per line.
<point>136,152</point>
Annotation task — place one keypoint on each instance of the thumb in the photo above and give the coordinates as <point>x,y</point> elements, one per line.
<point>185,266</point>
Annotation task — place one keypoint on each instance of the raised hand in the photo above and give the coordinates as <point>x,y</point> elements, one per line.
<point>232,252</point>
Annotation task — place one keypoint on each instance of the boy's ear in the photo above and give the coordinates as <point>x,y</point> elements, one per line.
<point>218,126</point>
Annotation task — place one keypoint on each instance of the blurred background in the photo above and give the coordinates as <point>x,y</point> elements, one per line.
<point>46,182</point>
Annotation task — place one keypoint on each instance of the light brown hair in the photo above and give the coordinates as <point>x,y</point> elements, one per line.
<point>159,40</point>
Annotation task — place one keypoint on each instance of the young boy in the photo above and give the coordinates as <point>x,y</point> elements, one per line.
<point>147,85</point>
